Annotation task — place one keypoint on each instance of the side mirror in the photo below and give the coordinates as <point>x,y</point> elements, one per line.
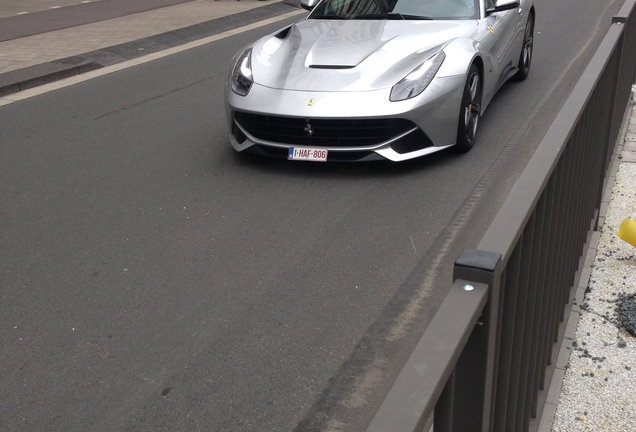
<point>502,5</point>
<point>308,4</point>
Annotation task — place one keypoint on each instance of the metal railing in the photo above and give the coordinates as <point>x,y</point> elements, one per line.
<point>484,361</point>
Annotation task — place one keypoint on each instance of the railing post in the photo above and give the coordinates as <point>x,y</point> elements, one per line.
<point>416,393</point>
<point>475,369</point>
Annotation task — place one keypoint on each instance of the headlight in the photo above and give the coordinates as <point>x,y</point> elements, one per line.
<point>415,82</point>
<point>242,75</point>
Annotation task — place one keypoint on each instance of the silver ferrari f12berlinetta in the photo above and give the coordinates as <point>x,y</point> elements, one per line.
<point>377,79</point>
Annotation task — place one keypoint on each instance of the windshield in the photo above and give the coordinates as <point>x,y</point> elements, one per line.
<point>396,9</point>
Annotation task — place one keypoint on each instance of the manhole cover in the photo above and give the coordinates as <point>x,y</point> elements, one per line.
<point>628,315</point>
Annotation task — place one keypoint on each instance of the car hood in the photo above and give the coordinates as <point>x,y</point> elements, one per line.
<point>349,55</point>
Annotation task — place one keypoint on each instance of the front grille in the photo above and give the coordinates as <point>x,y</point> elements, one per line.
<point>324,132</point>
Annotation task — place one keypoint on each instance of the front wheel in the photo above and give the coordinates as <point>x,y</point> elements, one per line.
<point>470,111</point>
<point>525,57</point>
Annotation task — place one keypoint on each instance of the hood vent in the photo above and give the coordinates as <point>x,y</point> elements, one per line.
<point>330,67</point>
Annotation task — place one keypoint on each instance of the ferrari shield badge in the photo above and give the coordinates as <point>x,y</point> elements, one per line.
<point>309,131</point>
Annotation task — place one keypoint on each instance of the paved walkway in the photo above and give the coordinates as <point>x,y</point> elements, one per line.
<point>33,50</point>
<point>60,17</point>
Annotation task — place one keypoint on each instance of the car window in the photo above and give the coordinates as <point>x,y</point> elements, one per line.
<point>396,9</point>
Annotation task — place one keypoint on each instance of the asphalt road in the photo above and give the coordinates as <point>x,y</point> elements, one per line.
<point>152,279</point>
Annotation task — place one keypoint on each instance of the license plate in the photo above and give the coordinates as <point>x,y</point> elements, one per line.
<point>307,154</point>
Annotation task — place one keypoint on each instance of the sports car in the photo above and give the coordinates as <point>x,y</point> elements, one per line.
<point>377,79</point>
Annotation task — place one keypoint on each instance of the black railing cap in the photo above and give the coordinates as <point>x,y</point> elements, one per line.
<point>478,259</point>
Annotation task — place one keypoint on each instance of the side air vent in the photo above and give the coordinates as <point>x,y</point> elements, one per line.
<point>283,33</point>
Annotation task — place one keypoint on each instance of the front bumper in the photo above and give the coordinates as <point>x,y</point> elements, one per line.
<point>416,127</point>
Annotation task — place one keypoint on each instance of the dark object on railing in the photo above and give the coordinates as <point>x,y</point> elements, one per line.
<point>494,360</point>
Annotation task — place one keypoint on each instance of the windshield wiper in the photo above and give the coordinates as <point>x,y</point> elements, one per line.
<point>416,17</point>
<point>392,15</point>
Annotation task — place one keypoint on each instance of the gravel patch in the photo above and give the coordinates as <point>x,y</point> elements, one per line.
<point>599,388</point>
<point>628,315</point>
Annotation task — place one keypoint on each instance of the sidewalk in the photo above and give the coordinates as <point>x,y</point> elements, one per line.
<point>593,385</point>
<point>595,376</point>
<point>35,60</point>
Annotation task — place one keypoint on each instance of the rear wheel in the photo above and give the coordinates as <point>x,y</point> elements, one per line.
<point>470,111</point>
<point>525,58</point>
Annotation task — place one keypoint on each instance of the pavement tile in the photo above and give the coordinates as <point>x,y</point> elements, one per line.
<point>546,419</point>
<point>628,156</point>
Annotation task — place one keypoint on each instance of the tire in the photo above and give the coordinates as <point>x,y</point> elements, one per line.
<point>470,111</point>
<point>525,58</point>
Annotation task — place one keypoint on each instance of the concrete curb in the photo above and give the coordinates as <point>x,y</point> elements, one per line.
<point>23,79</point>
